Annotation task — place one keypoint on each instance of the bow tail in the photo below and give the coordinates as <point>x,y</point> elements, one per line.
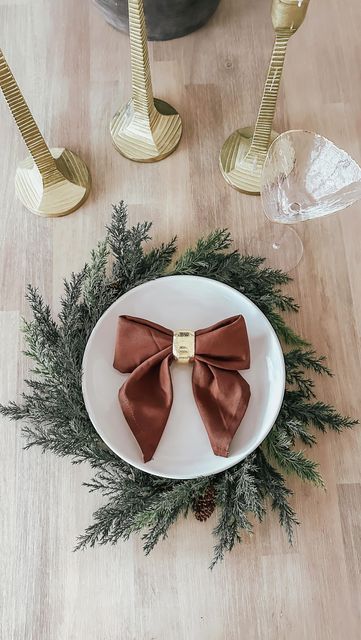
<point>146,400</point>
<point>222,397</point>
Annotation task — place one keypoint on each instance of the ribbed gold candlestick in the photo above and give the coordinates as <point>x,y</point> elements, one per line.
<point>50,182</point>
<point>146,129</point>
<point>244,152</point>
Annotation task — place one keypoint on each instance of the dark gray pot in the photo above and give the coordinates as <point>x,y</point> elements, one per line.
<point>166,19</point>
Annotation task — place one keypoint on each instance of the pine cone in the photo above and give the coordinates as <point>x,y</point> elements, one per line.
<point>205,505</point>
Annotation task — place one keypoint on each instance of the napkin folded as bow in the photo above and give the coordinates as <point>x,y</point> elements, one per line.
<point>144,349</point>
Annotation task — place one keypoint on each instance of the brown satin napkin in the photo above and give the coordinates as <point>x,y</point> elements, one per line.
<point>145,350</point>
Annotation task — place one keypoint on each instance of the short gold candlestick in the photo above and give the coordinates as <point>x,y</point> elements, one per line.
<point>244,152</point>
<point>146,129</point>
<point>50,182</point>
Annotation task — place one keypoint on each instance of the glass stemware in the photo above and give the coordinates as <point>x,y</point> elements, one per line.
<point>305,176</point>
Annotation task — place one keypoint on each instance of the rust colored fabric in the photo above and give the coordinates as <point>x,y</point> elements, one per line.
<point>145,351</point>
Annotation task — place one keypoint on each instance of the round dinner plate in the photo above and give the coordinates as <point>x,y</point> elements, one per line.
<point>183,302</point>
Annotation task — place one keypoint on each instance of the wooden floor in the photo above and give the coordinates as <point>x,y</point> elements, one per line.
<point>74,71</point>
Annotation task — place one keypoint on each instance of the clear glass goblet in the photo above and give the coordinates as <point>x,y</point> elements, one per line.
<point>304,176</point>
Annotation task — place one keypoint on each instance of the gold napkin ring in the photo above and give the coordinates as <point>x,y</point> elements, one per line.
<point>184,345</point>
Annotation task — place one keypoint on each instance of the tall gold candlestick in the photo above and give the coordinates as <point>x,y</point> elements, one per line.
<point>146,129</point>
<point>50,182</point>
<point>244,152</point>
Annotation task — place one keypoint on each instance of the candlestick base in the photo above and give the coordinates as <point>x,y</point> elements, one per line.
<point>241,172</point>
<point>146,139</point>
<point>60,192</point>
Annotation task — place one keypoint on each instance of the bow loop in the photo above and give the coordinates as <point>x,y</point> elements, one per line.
<point>225,344</point>
<point>145,350</point>
<point>138,340</point>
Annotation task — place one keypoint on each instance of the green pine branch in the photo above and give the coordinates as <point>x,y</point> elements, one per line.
<point>274,486</point>
<point>280,448</point>
<point>319,414</point>
<point>54,417</point>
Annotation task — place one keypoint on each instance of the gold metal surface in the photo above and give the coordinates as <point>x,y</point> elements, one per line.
<point>146,129</point>
<point>49,182</point>
<point>184,345</point>
<point>244,152</point>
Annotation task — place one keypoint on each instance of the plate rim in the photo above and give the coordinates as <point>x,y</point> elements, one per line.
<point>231,463</point>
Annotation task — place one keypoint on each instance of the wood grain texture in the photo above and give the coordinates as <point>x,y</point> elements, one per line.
<point>74,72</point>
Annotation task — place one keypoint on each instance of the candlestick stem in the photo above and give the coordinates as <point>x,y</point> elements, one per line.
<point>243,154</point>
<point>263,128</point>
<point>27,126</point>
<point>142,92</point>
<point>145,129</point>
<point>50,182</point>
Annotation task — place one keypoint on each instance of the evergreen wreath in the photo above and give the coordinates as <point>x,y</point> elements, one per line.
<point>55,418</point>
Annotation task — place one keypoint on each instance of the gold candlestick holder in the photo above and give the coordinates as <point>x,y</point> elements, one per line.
<point>50,182</point>
<point>146,129</point>
<point>243,154</point>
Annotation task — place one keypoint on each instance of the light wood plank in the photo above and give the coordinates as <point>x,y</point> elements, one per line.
<point>74,71</point>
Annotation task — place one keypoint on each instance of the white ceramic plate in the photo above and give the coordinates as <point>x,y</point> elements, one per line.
<point>179,302</point>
